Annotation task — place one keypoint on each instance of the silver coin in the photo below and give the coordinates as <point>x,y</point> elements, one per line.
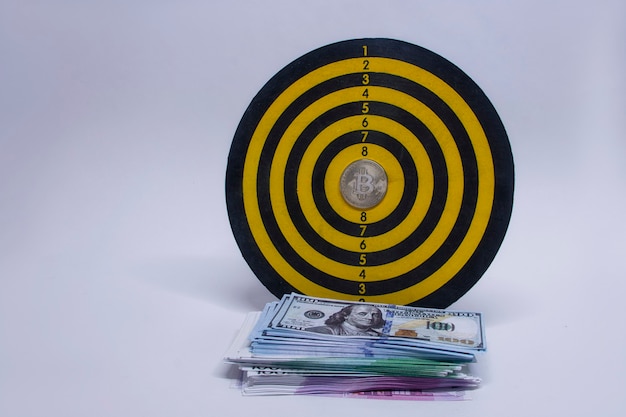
<point>363,183</point>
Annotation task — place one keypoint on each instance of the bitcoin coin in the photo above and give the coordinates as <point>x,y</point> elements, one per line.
<point>363,184</point>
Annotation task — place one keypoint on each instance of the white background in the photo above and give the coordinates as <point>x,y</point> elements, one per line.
<point>121,285</point>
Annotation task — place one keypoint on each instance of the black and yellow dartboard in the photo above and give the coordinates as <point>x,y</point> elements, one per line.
<point>374,170</point>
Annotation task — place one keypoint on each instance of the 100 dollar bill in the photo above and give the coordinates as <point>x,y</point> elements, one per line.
<point>395,324</point>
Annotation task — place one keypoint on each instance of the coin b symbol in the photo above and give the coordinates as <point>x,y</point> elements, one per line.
<point>363,183</point>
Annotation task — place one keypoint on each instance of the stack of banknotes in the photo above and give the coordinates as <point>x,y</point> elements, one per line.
<point>306,345</point>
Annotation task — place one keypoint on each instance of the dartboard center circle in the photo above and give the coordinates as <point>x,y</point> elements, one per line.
<point>363,183</point>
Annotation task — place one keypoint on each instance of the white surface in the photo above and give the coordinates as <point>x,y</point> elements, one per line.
<point>120,281</point>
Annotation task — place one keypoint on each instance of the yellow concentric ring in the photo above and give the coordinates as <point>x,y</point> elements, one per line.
<point>375,243</point>
<point>332,189</point>
<point>380,272</point>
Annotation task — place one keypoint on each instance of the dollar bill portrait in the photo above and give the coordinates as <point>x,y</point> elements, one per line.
<point>353,320</point>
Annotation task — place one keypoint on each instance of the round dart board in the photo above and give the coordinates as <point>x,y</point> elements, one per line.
<point>372,170</point>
